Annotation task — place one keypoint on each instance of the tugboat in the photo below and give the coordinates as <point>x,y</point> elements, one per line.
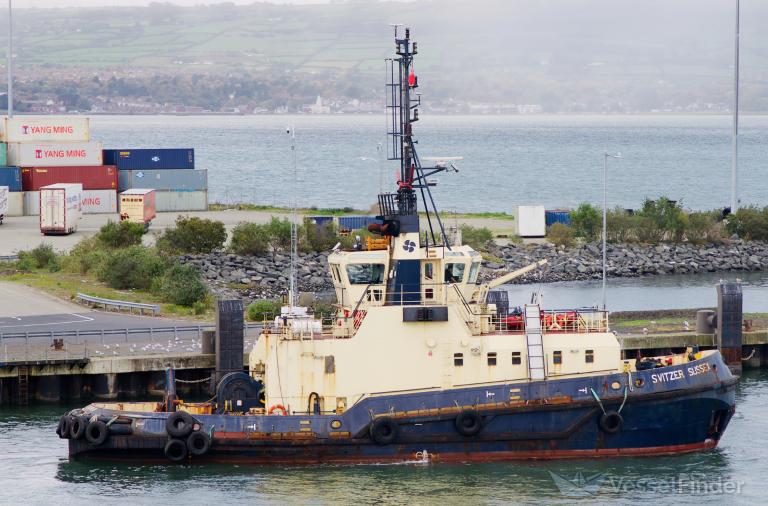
<point>422,361</point>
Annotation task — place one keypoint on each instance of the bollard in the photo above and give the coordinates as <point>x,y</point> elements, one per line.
<point>729,320</point>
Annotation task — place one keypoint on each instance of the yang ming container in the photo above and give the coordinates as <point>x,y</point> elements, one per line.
<point>11,177</point>
<point>60,209</point>
<point>98,177</point>
<point>181,180</point>
<point>137,205</point>
<point>181,201</point>
<point>132,159</point>
<point>45,129</point>
<point>50,154</point>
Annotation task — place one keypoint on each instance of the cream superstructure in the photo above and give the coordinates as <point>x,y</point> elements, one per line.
<point>384,339</point>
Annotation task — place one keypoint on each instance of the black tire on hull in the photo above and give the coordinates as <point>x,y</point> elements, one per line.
<point>96,432</point>
<point>198,443</point>
<point>63,428</point>
<point>77,427</point>
<point>179,424</point>
<point>610,422</point>
<point>121,429</point>
<point>384,431</point>
<point>175,450</point>
<point>469,423</point>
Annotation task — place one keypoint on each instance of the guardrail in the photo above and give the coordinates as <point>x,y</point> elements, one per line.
<point>119,304</point>
<point>42,346</point>
<point>8,258</point>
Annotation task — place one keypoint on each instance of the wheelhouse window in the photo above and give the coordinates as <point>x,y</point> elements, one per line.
<point>492,358</point>
<point>589,356</point>
<point>429,271</point>
<point>557,357</point>
<point>335,273</point>
<point>516,359</point>
<point>454,272</point>
<point>365,274</point>
<point>474,270</point>
<point>458,359</point>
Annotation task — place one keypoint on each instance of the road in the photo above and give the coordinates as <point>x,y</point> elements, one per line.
<point>25,335</point>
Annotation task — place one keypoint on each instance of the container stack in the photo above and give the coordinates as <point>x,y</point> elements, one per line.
<point>48,150</point>
<point>178,185</point>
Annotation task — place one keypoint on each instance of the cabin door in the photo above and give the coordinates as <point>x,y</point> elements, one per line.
<point>431,284</point>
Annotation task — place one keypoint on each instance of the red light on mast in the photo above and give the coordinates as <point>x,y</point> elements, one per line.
<point>411,79</point>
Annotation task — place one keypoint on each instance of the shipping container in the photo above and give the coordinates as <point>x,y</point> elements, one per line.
<point>91,202</point>
<point>3,154</point>
<point>97,177</point>
<point>557,216</point>
<point>4,193</point>
<point>45,129</point>
<point>15,204</point>
<point>166,201</point>
<point>37,154</point>
<point>530,221</point>
<point>166,179</point>
<point>133,159</point>
<point>355,222</point>
<point>60,208</point>
<point>137,205</point>
<point>11,177</point>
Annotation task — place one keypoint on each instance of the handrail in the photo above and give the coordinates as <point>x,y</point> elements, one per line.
<point>154,308</point>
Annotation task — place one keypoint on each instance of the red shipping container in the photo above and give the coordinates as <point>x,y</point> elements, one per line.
<point>92,177</point>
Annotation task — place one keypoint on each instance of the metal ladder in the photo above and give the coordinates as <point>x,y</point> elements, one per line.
<point>23,374</point>
<point>535,342</point>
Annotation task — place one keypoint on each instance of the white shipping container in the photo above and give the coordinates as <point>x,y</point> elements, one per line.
<point>531,221</point>
<point>60,209</point>
<point>54,154</point>
<point>15,204</point>
<point>166,201</point>
<point>45,129</point>
<point>99,201</point>
<point>92,202</point>
<point>4,201</point>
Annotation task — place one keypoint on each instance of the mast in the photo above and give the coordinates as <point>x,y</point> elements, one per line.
<point>294,232</point>
<point>735,136</point>
<point>9,63</point>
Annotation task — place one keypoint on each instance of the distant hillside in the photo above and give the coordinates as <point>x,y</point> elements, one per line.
<point>566,55</point>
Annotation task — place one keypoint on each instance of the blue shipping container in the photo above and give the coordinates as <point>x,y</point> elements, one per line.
<point>141,159</point>
<point>179,180</point>
<point>320,220</point>
<point>11,177</point>
<point>552,217</point>
<point>355,222</point>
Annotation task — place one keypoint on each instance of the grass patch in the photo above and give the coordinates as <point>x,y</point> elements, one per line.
<point>66,285</point>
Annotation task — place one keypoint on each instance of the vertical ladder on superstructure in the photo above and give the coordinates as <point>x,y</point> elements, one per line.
<point>23,375</point>
<point>535,342</point>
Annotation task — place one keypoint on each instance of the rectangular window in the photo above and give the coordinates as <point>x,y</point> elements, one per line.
<point>557,357</point>
<point>589,356</point>
<point>458,359</point>
<point>454,272</point>
<point>492,358</point>
<point>516,360</point>
<point>429,272</point>
<point>473,272</point>
<point>335,273</point>
<point>429,293</point>
<point>365,274</point>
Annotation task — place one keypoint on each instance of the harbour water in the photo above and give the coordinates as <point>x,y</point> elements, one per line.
<point>34,469</point>
<point>508,160</point>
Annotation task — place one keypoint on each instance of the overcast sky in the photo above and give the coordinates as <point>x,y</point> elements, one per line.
<point>95,3</point>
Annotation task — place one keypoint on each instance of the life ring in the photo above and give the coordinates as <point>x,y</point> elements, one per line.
<point>198,443</point>
<point>96,432</point>
<point>468,422</point>
<point>179,424</point>
<point>610,422</point>
<point>384,430</point>
<point>77,427</point>
<point>278,407</point>
<point>175,450</point>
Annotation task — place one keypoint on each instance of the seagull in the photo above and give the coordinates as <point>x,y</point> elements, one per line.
<point>645,330</point>
<point>687,325</point>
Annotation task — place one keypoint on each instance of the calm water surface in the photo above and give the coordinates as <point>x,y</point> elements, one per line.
<point>34,469</point>
<point>508,160</point>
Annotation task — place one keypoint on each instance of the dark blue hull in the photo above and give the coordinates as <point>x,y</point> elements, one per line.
<point>661,411</point>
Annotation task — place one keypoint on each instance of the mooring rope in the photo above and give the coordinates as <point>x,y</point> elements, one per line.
<point>192,381</point>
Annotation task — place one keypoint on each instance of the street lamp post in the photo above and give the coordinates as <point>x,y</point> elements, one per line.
<point>606,155</point>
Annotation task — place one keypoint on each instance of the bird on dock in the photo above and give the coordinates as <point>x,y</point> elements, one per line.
<point>686,325</point>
